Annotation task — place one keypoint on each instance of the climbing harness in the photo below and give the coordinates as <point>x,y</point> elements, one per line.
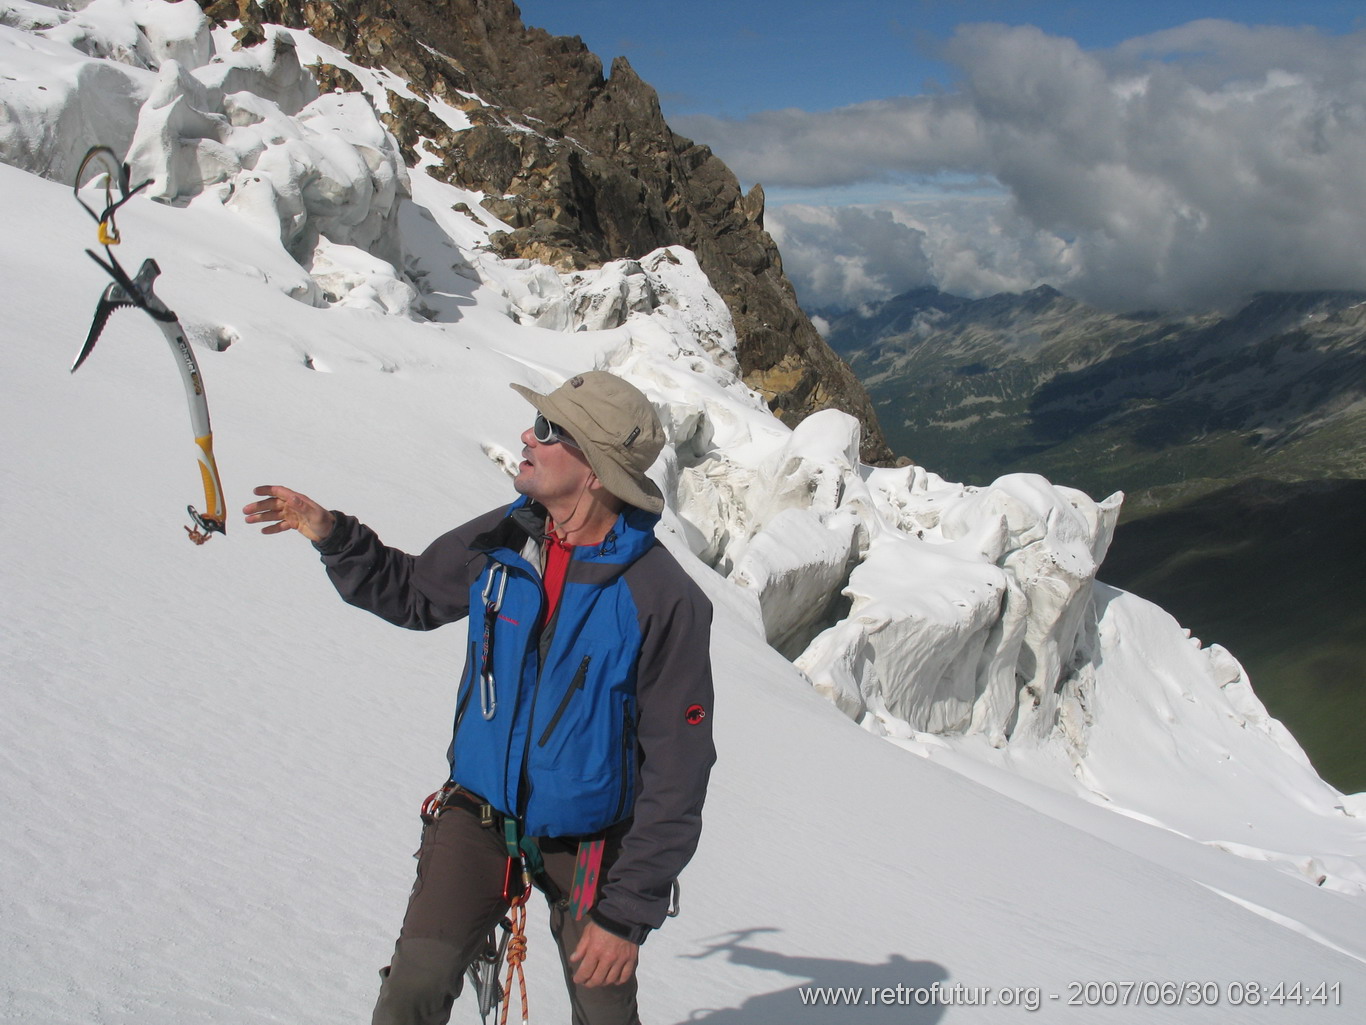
<point>525,870</point>
<point>136,291</point>
<point>524,864</point>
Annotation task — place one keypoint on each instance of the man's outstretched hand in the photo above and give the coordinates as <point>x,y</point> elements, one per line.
<point>284,509</point>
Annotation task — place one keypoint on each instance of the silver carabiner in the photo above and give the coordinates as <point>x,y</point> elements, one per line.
<point>488,695</point>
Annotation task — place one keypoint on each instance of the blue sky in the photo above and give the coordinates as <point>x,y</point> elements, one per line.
<point>1160,154</point>
<point>735,57</point>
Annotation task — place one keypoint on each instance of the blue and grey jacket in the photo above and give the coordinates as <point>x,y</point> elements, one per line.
<point>603,717</point>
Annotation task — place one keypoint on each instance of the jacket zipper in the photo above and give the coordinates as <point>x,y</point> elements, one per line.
<point>524,786</point>
<point>521,792</point>
<point>627,750</point>
<point>468,686</point>
<point>576,685</point>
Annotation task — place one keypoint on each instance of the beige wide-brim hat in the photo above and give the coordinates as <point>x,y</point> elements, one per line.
<point>614,426</point>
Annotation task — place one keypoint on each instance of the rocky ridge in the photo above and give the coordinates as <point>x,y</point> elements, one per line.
<point>584,168</point>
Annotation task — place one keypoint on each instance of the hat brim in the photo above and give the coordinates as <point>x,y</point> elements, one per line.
<point>632,488</point>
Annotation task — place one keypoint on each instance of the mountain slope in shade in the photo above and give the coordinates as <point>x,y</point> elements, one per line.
<point>1275,570</point>
<point>1118,401</point>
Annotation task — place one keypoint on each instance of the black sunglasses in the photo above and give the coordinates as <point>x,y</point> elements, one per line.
<point>548,433</point>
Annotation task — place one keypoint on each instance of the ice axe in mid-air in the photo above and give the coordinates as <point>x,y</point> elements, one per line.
<point>136,291</point>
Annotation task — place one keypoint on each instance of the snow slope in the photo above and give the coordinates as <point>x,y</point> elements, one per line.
<point>210,768</point>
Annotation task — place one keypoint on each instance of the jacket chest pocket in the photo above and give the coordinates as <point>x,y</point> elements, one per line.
<point>582,762</point>
<point>574,691</point>
<point>584,728</point>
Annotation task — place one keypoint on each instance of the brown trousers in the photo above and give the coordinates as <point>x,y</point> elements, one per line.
<point>456,899</point>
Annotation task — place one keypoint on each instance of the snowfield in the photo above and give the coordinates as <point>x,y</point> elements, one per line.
<point>959,779</point>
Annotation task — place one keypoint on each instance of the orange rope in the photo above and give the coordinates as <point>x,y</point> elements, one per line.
<point>516,953</point>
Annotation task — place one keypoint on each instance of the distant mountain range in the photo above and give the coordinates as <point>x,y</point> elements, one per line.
<point>1157,405</point>
<point>1239,439</point>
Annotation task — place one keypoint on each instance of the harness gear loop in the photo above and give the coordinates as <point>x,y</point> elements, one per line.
<point>453,794</point>
<point>435,804</point>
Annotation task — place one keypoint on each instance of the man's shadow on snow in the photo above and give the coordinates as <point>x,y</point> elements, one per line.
<point>797,1003</point>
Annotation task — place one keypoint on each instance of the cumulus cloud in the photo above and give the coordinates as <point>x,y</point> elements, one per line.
<point>1186,168</point>
<point>868,141</point>
<point>844,257</point>
<point>848,255</point>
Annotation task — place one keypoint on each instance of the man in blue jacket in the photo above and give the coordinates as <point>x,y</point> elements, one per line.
<point>583,711</point>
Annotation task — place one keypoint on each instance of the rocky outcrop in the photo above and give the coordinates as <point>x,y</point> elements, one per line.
<point>583,168</point>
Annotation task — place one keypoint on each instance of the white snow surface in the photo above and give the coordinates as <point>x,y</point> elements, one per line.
<point>947,754</point>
